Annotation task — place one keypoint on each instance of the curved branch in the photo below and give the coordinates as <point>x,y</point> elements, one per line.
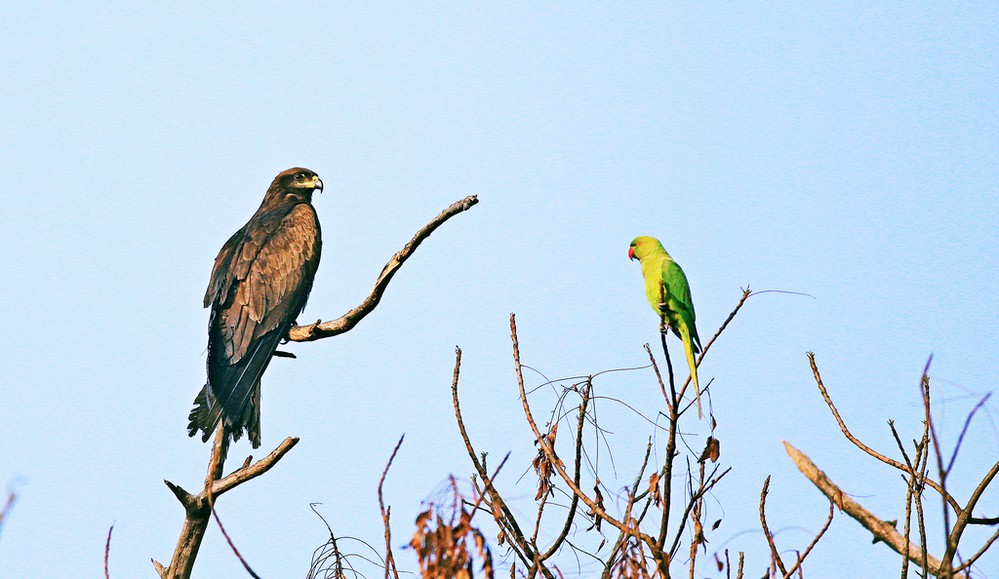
<point>321,329</point>
<point>859,444</point>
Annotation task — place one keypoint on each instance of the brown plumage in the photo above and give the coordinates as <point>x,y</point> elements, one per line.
<point>260,283</point>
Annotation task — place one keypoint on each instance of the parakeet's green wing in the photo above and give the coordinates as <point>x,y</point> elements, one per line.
<point>679,289</point>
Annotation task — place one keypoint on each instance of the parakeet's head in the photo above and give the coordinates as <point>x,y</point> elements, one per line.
<point>642,246</point>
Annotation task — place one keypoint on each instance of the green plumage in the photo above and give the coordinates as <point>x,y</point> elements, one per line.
<point>668,292</point>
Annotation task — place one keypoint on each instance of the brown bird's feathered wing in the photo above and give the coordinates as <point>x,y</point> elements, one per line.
<point>260,283</point>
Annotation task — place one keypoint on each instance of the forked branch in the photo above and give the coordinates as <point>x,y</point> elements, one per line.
<point>199,507</point>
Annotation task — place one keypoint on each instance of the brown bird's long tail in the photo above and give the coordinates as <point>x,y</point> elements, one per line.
<point>236,401</point>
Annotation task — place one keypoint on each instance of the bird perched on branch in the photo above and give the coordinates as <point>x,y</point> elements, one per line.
<point>669,294</point>
<point>260,283</point>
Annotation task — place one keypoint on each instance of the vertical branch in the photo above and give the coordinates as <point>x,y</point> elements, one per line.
<point>198,509</point>
<point>673,421</point>
<point>386,515</point>
<point>107,553</point>
<point>766,531</point>
<point>950,548</point>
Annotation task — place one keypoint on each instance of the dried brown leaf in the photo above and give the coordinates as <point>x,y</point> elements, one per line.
<point>712,450</point>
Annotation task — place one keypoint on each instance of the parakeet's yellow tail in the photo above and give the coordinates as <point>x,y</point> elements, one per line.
<point>688,349</point>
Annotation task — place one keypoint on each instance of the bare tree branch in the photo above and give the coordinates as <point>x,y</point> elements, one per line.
<point>107,553</point>
<point>321,329</point>
<point>7,506</point>
<point>815,541</point>
<point>507,522</point>
<point>386,515</point>
<point>199,507</point>
<point>246,565</point>
<point>881,529</point>
<point>849,435</point>
<point>774,553</point>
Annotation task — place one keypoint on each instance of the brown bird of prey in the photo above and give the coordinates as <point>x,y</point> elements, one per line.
<point>260,283</point>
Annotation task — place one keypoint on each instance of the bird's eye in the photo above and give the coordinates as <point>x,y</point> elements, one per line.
<point>299,176</point>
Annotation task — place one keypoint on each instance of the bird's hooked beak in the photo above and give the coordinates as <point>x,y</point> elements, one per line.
<point>317,182</point>
<point>631,253</point>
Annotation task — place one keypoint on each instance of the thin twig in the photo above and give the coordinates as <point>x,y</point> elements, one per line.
<point>910,494</point>
<point>774,554</point>
<point>964,430</point>
<point>7,506</point>
<point>950,548</point>
<point>321,329</point>
<point>971,560</point>
<point>694,497</point>
<point>571,515</point>
<point>386,514</point>
<point>107,553</point>
<point>233,546</point>
<point>815,541</point>
<point>595,508</point>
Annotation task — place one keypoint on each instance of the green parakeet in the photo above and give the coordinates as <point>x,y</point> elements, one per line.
<point>669,294</point>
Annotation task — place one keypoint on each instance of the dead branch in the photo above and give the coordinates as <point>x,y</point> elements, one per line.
<point>507,522</point>
<point>849,435</point>
<point>574,501</point>
<point>815,541</point>
<point>107,553</point>
<point>344,323</point>
<point>7,506</point>
<point>882,530</point>
<point>232,546</point>
<point>386,515</point>
<point>696,496</point>
<point>595,507</point>
<point>774,553</point>
<point>199,507</point>
<point>915,475</point>
<point>964,516</point>
<point>634,550</point>
<point>971,560</point>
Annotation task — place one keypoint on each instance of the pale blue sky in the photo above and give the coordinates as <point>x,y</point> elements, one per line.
<point>846,150</point>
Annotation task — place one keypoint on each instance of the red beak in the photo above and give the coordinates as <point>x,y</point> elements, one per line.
<point>631,253</point>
